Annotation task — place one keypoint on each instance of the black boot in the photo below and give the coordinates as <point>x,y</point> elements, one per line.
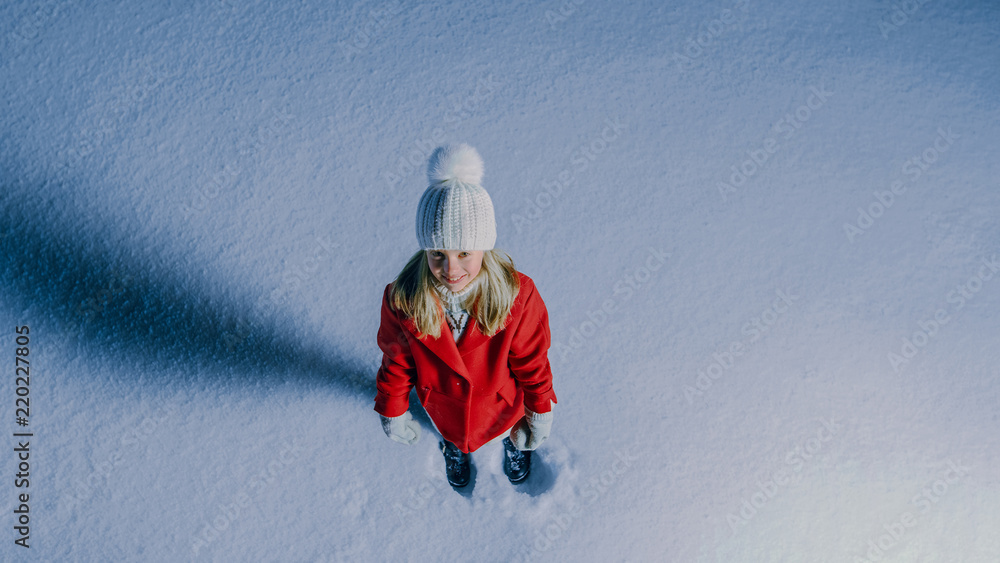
<point>456,464</point>
<point>516,463</point>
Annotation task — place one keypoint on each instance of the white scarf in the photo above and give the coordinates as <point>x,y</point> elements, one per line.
<point>452,301</point>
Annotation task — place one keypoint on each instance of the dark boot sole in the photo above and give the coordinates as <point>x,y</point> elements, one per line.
<point>521,480</point>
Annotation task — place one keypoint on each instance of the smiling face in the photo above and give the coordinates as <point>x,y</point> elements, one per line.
<point>455,268</point>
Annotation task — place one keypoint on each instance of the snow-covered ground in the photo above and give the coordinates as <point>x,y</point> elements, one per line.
<point>766,234</point>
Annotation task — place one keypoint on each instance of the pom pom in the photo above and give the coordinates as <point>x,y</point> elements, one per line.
<point>455,162</point>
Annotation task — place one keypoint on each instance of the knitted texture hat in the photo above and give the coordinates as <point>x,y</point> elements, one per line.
<point>455,212</point>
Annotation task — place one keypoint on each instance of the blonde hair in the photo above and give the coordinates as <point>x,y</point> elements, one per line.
<point>489,303</point>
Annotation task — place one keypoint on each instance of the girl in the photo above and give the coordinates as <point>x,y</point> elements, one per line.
<point>465,328</point>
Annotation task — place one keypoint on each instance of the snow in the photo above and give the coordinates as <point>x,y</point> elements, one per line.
<point>202,205</point>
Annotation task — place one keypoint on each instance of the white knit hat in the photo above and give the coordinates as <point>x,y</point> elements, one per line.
<point>455,212</point>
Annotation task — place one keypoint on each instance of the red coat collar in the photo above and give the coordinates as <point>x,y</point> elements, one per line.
<point>444,346</point>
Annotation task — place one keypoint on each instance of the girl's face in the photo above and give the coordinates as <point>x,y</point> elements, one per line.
<point>455,268</point>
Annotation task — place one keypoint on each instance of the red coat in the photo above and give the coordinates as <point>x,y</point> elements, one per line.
<point>477,389</point>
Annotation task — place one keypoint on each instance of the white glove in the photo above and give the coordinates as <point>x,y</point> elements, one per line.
<point>402,428</point>
<point>532,430</point>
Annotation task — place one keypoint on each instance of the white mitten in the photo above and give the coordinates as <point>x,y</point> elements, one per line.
<point>532,430</point>
<point>402,428</point>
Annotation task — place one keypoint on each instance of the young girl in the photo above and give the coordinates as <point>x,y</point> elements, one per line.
<point>465,328</point>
